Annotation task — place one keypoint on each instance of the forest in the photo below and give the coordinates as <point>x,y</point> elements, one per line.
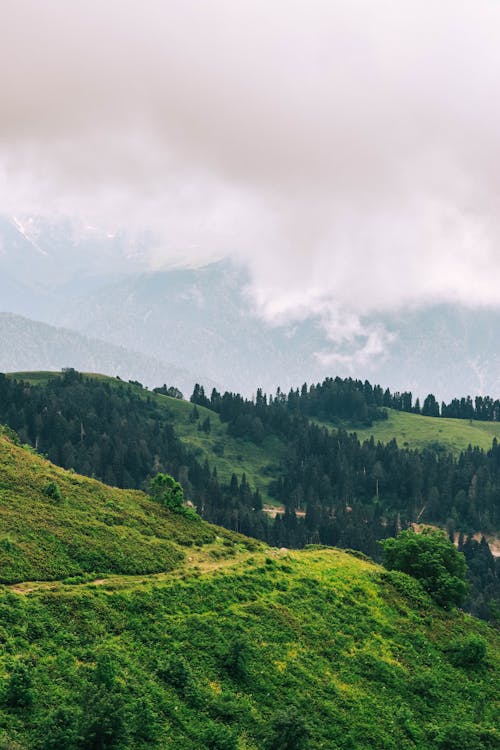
<point>335,489</point>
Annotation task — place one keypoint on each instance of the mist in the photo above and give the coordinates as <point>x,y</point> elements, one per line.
<point>345,153</point>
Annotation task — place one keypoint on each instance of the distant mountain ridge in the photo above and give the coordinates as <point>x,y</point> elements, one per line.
<point>203,321</point>
<point>24,342</point>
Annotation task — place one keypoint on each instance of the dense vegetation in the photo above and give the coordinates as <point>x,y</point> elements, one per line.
<point>56,524</point>
<point>334,488</point>
<point>325,471</point>
<point>432,559</point>
<point>234,647</point>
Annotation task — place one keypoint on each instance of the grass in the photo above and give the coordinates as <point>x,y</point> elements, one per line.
<point>227,453</point>
<point>416,431</point>
<point>321,638</point>
<point>224,452</point>
<point>88,528</point>
<point>215,642</point>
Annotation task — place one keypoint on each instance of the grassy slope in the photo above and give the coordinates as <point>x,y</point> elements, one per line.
<point>416,431</point>
<point>228,454</point>
<point>92,528</point>
<point>361,654</point>
<point>412,430</point>
<point>238,455</point>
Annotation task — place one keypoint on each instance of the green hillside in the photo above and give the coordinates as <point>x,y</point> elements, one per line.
<point>416,431</point>
<point>215,642</point>
<point>231,454</point>
<point>56,523</point>
<point>224,452</point>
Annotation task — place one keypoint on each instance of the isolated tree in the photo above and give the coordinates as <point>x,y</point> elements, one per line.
<point>433,560</point>
<point>166,491</point>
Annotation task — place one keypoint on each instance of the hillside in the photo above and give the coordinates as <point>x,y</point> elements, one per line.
<point>439,433</point>
<point>237,457</point>
<point>31,345</point>
<point>231,646</point>
<point>225,453</point>
<point>78,525</point>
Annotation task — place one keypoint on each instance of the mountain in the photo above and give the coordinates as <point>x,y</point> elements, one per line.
<point>99,283</point>
<point>207,314</point>
<point>204,315</point>
<point>216,642</point>
<point>24,342</point>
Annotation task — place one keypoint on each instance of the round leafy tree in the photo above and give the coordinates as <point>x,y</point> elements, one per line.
<point>166,491</point>
<point>433,560</point>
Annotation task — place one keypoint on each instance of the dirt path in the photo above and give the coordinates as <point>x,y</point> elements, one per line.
<point>197,562</point>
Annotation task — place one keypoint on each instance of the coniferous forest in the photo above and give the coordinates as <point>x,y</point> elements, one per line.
<point>334,489</point>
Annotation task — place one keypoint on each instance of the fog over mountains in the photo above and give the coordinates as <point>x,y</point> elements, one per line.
<point>105,310</point>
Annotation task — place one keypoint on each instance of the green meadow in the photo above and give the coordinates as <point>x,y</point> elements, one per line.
<point>440,433</point>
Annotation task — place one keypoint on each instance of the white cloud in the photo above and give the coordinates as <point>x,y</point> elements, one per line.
<point>346,152</point>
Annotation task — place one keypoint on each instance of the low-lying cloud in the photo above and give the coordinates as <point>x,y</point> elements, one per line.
<point>345,152</point>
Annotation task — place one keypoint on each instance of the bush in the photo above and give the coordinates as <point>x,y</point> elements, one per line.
<point>468,652</point>
<point>407,586</point>
<point>433,560</point>
<point>52,490</point>
<point>235,660</point>
<point>466,736</point>
<point>287,731</point>
<point>166,491</point>
<point>18,691</point>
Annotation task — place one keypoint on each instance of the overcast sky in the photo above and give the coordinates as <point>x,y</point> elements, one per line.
<point>346,152</point>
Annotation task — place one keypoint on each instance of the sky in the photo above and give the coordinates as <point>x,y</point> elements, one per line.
<point>345,152</point>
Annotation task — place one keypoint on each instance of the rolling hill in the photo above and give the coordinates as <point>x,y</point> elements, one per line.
<point>416,431</point>
<point>227,454</point>
<point>30,345</point>
<point>217,642</point>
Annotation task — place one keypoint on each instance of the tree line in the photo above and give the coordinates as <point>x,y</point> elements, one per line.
<point>335,489</point>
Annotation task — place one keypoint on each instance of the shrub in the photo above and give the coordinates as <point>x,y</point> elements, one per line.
<point>166,491</point>
<point>433,560</point>
<point>468,652</point>
<point>235,660</point>
<point>52,490</point>
<point>18,690</point>
<point>287,731</point>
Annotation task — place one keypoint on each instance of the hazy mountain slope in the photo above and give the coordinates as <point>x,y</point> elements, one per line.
<point>27,344</point>
<point>202,315</point>
<point>205,314</point>
<point>202,320</point>
<point>233,648</point>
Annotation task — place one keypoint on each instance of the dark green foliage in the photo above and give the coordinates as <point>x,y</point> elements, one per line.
<point>407,586</point>
<point>236,658</point>
<point>52,490</point>
<point>287,731</point>
<point>18,690</point>
<point>219,737</point>
<point>166,491</point>
<point>466,736</point>
<point>433,560</point>
<point>169,391</point>
<point>468,652</point>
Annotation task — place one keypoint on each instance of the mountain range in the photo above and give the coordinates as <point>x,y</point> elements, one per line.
<point>205,324</point>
